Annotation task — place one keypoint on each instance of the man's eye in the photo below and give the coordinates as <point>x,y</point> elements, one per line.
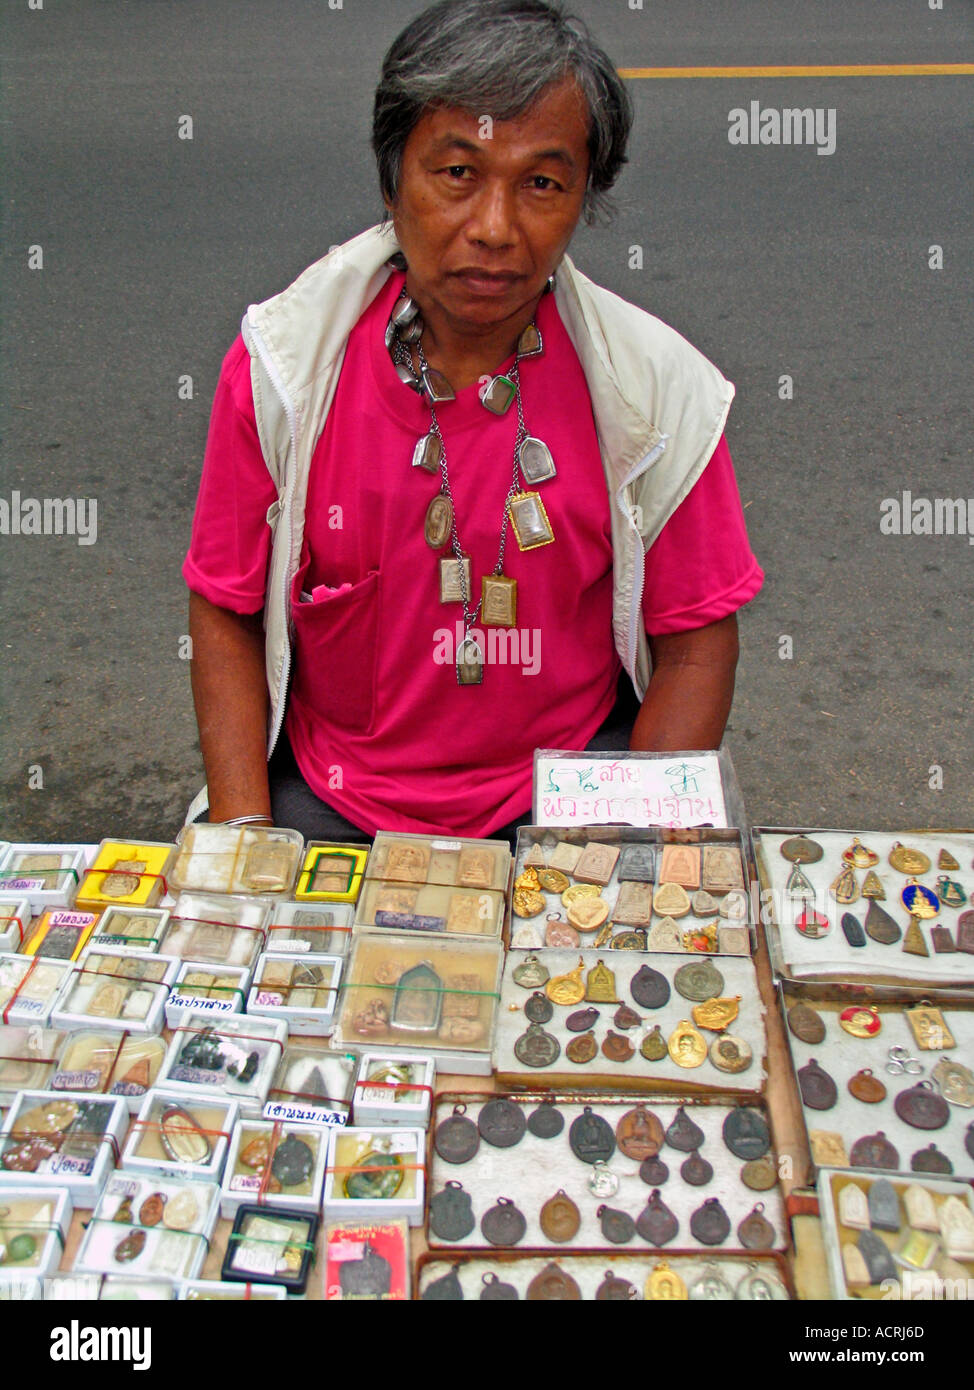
<point>457,171</point>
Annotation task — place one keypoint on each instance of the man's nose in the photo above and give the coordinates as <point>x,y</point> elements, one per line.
<point>493,218</point>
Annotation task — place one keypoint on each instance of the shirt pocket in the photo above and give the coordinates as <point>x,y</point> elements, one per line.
<point>336,650</point>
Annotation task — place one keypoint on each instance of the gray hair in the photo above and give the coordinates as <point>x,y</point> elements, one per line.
<point>498,56</point>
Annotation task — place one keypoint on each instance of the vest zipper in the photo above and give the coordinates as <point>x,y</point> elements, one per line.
<point>639,568</point>
<point>284,520</point>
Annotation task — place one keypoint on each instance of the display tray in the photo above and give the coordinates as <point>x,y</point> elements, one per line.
<point>116,989</point>
<point>33,1224</point>
<point>422,993</point>
<point>47,875</point>
<point>28,1057</point>
<point>844,1057</point>
<point>217,930</point>
<point>15,923</point>
<point>318,928</point>
<point>312,1086</point>
<point>215,1291</point>
<point>112,1063</point>
<point>177,1136</point>
<point>330,872</point>
<point>59,1139</point>
<point>130,873</point>
<point>274,1164</point>
<point>149,1226</point>
<point>912,1261</point>
<point>303,992</point>
<point>684,892</point>
<point>533,1170</point>
<point>431,908</point>
<point>30,988</point>
<point>436,859</point>
<point>800,956</point>
<point>540,1275</point>
<point>236,1056</point>
<point>254,860</point>
<point>135,928</point>
<point>747,1030</point>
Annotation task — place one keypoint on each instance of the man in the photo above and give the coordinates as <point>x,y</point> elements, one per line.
<point>442,506</point>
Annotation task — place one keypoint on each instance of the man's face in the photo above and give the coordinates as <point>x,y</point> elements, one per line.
<point>487,208</point>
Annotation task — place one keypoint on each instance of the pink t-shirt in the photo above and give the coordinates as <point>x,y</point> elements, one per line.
<point>379,726</point>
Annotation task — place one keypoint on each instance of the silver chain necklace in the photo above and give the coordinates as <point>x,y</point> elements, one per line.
<point>497,604</point>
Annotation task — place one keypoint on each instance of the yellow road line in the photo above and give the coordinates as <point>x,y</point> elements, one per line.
<point>842,70</point>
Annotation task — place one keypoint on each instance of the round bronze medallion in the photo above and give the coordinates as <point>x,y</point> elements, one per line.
<point>656,1224</point>
<point>653,1171</point>
<point>710,1224</point>
<point>617,1226</point>
<point>866,1087</point>
<point>591,1137</point>
<point>908,861</point>
<point>539,1008</point>
<point>617,1048</point>
<point>696,1170</point>
<point>653,1046</point>
<point>553,1285</point>
<point>819,1091</point>
<point>649,988</point>
<point>874,1151</point>
<point>639,1134</point>
<point>759,1174</point>
<point>495,1291</point>
<point>536,1048</point>
<point>746,1133</point>
<point>699,980</point>
<point>582,1049</point>
<point>560,1218</point>
<point>613,1290</point>
<point>922,1106</point>
<point>546,1122</point>
<point>503,1224</point>
<point>930,1160</point>
<point>756,1232</point>
<point>801,850</point>
<point>456,1139</point>
<point>501,1123</point>
<point>730,1053</point>
<point>806,1024</point>
<point>451,1213</point>
<point>582,1020</point>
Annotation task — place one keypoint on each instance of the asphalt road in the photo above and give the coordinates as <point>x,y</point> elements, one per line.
<point>774,260</point>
